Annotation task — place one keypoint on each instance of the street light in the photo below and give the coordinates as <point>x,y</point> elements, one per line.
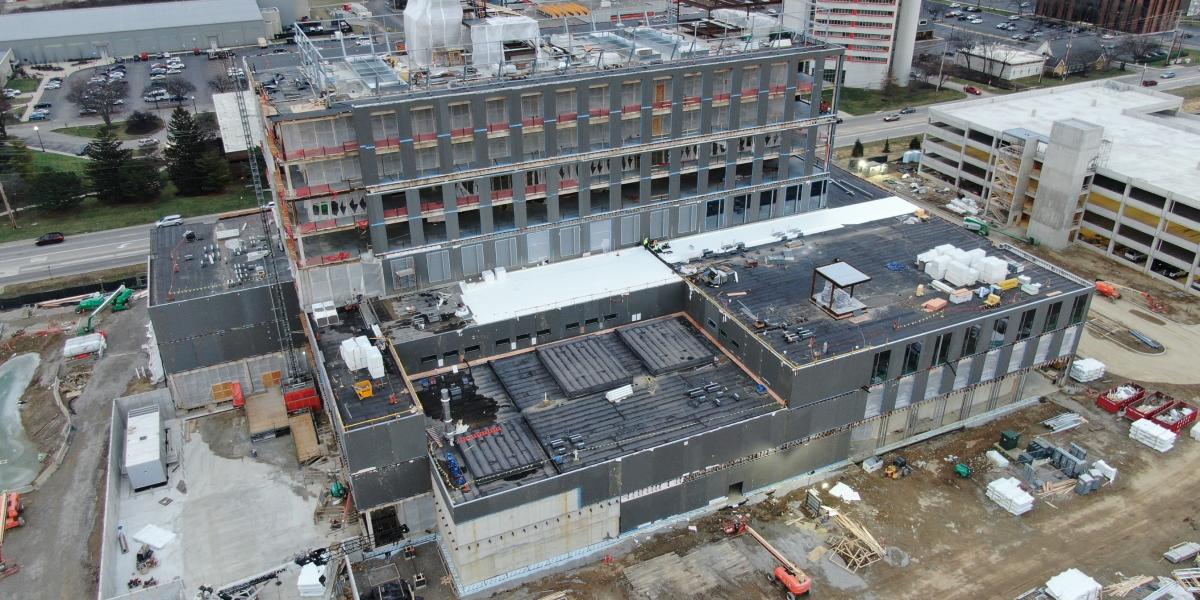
<point>194,111</point>
<point>39,134</point>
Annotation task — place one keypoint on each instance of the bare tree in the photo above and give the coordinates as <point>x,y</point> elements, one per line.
<point>222,83</point>
<point>100,98</point>
<point>1137,47</point>
<point>961,41</point>
<point>178,86</point>
<point>935,11</point>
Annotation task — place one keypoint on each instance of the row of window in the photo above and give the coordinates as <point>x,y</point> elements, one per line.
<point>943,343</point>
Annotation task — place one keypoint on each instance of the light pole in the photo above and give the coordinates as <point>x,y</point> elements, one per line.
<point>39,134</point>
<point>194,111</point>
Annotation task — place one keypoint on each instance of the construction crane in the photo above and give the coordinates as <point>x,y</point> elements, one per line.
<point>794,581</point>
<point>292,371</point>
<point>1112,291</point>
<point>87,326</point>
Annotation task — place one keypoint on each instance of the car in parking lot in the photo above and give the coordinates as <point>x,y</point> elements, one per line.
<point>1014,17</point>
<point>158,77</point>
<point>39,115</point>
<point>1167,75</point>
<point>11,93</point>
<point>83,150</point>
<point>974,91</point>
<point>147,142</point>
<point>1166,270</point>
<point>1132,255</point>
<point>54,237</point>
<point>891,117</point>
<point>976,21</point>
<point>169,221</point>
<point>45,105</point>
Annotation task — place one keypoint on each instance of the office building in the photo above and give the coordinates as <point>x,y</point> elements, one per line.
<point>1126,16</point>
<point>879,36</point>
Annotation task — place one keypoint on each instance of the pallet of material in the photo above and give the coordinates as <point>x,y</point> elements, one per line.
<point>1152,434</point>
<point>1189,579</point>
<point>1182,552</point>
<point>1149,406</point>
<point>266,415</point>
<point>305,436</point>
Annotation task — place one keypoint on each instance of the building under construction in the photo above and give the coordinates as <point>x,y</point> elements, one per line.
<point>567,282</point>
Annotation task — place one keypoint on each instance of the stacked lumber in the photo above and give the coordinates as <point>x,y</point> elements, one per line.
<point>857,547</point>
<point>1123,587</point>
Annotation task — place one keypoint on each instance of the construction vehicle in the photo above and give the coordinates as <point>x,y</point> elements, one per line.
<point>899,468</point>
<point>11,505</point>
<point>794,581</point>
<point>87,326</point>
<point>983,229</point>
<point>1108,290</point>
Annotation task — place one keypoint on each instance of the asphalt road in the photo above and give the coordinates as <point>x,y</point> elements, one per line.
<point>22,261</point>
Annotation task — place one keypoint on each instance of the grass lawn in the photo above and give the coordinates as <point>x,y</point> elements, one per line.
<point>1191,91</point>
<point>1052,81</point>
<point>24,84</point>
<point>59,162</point>
<point>864,102</point>
<point>93,131</point>
<point>93,216</point>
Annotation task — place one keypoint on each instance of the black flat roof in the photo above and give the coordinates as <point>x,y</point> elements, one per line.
<point>540,430</point>
<point>224,256</point>
<point>352,409</point>
<point>776,292</point>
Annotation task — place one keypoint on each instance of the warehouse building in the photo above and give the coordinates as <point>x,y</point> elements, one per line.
<point>1104,163</point>
<point>128,29</point>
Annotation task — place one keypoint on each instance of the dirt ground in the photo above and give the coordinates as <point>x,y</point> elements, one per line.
<point>944,538</point>
<point>59,547</point>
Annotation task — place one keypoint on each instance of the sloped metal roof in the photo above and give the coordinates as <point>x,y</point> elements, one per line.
<point>128,17</point>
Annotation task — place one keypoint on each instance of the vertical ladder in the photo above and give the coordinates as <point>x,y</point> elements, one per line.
<point>292,370</point>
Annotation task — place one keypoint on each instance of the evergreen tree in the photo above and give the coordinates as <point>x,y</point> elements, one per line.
<point>887,146</point>
<point>183,154</point>
<point>858,150</point>
<point>106,169</point>
<point>58,190</point>
<point>915,143</point>
<point>215,171</point>
<point>141,181</point>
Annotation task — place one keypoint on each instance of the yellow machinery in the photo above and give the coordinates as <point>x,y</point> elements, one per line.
<point>992,301</point>
<point>1008,284</point>
<point>363,389</point>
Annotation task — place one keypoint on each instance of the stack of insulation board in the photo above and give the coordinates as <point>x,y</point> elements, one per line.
<point>960,295</point>
<point>359,353</point>
<point>1196,433</point>
<point>1152,434</point>
<point>308,584</point>
<point>1008,494</point>
<point>1087,369</point>
<point>1073,584</point>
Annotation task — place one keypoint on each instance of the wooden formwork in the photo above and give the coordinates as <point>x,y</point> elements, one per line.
<point>857,547</point>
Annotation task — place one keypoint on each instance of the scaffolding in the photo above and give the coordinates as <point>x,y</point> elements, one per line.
<point>1002,205</point>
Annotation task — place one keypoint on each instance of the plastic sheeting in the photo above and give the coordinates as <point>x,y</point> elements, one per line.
<point>760,25</point>
<point>429,25</point>
<point>488,38</point>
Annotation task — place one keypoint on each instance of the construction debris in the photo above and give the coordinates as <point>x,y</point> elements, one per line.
<point>1182,552</point>
<point>1189,579</point>
<point>857,547</point>
<point>1123,587</point>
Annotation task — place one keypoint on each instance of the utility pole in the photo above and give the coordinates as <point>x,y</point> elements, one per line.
<point>12,217</point>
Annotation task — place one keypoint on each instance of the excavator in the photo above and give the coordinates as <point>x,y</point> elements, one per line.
<point>794,582</point>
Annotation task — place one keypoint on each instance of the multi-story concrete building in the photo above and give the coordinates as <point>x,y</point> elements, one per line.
<point>1130,16</point>
<point>408,173</point>
<point>1104,163</point>
<point>879,36</point>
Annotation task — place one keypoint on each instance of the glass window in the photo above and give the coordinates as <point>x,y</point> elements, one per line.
<point>1026,327</point>
<point>568,241</point>
<point>506,252</point>
<point>1052,317</point>
<point>999,330</point>
<point>538,246</point>
<point>439,266</point>
<point>879,370</point>
<point>912,358</point>
<point>941,348</point>
<point>1078,309</point>
<point>600,236</point>
<point>472,257</point>
<point>971,340</point>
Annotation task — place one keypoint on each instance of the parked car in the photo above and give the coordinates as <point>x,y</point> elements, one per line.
<point>907,110</point>
<point>1149,83</point>
<point>1014,17</point>
<point>1107,36</point>
<point>54,85</point>
<point>147,142</point>
<point>45,105</point>
<point>54,237</point>
<point>39,116</point>
<point>891,117</point>
<point>1167,75</point>
<point>1132,255</point>
<point>83,150</point>
<point>974,91</point>
<point>169,221</point>
<point>11,93</point>
<point>1166,270</point>
<point>85,111</point>
<point>158,77</point>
